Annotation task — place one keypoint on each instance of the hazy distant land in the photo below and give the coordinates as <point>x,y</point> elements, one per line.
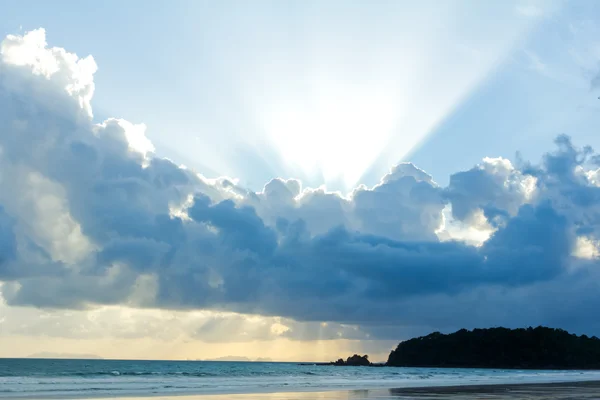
<point>72,356</point>
<point>239,359</point>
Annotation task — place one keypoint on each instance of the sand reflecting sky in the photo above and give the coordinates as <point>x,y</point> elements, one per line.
<point>558,391</point>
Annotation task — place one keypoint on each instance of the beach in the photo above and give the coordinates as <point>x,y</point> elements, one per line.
<point>547,391</point>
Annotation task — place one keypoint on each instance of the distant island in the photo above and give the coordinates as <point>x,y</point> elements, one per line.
<point>354,361</point>
<point>539,348</point>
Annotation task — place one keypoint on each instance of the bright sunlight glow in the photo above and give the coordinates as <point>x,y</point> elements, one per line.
<point>338,134</point>
<point>348,108</point>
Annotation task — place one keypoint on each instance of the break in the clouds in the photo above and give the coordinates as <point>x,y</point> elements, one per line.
<point>91,217</point>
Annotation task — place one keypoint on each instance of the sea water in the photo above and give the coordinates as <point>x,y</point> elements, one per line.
<point>44,378</point>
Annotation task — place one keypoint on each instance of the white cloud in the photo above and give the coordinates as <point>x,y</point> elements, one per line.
<point>594,176</point>
<point>135,134</point>
<point>68,71</point>
<point>587,248</point>
<point>529,10</point>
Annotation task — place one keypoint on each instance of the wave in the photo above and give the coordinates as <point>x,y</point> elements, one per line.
<point>146,373</point>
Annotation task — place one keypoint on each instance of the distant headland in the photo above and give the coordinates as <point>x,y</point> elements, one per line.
<point>69,356</point>
<point>531,348</point>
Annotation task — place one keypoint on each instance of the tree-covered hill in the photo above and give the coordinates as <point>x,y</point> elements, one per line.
<point>543,348</point>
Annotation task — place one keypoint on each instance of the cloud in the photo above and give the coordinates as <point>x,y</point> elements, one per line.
<point>595,81</point>
<point>584,51</point>
<point>7,239</point>
<point>494,186</point>
<point>121,322</point>
<point>529,10</point>
<point>91,218</point>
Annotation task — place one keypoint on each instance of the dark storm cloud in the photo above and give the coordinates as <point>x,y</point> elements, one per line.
<point>7,240</point>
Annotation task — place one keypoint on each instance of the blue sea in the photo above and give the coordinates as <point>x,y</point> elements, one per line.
<point>77,379</point>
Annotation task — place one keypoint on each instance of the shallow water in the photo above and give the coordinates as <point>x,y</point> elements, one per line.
<point>30,378</point>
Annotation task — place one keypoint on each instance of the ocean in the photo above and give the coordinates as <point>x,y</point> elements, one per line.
<point>76,379</point>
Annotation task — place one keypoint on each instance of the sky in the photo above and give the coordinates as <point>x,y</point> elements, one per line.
<point>294,180</point>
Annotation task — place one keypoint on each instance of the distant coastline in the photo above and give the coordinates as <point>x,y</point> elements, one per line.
<point>64,356</point>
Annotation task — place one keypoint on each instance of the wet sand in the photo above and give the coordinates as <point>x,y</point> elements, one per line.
<point>554,391</point>
<point>546,391</point>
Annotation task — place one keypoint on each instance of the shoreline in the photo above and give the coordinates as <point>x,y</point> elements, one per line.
<point>451,366</point>
<point>530,391</point>
<point>498,387</point>
<point>563,390</point>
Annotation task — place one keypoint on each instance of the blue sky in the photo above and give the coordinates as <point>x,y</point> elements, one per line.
<point>539,92</point>
<point>206,231</point>
<point>196,71</point>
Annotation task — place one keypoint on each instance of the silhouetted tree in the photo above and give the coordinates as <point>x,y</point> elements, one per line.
<point>541,348</point>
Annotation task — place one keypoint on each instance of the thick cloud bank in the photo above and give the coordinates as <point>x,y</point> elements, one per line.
<point>90,216</point>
